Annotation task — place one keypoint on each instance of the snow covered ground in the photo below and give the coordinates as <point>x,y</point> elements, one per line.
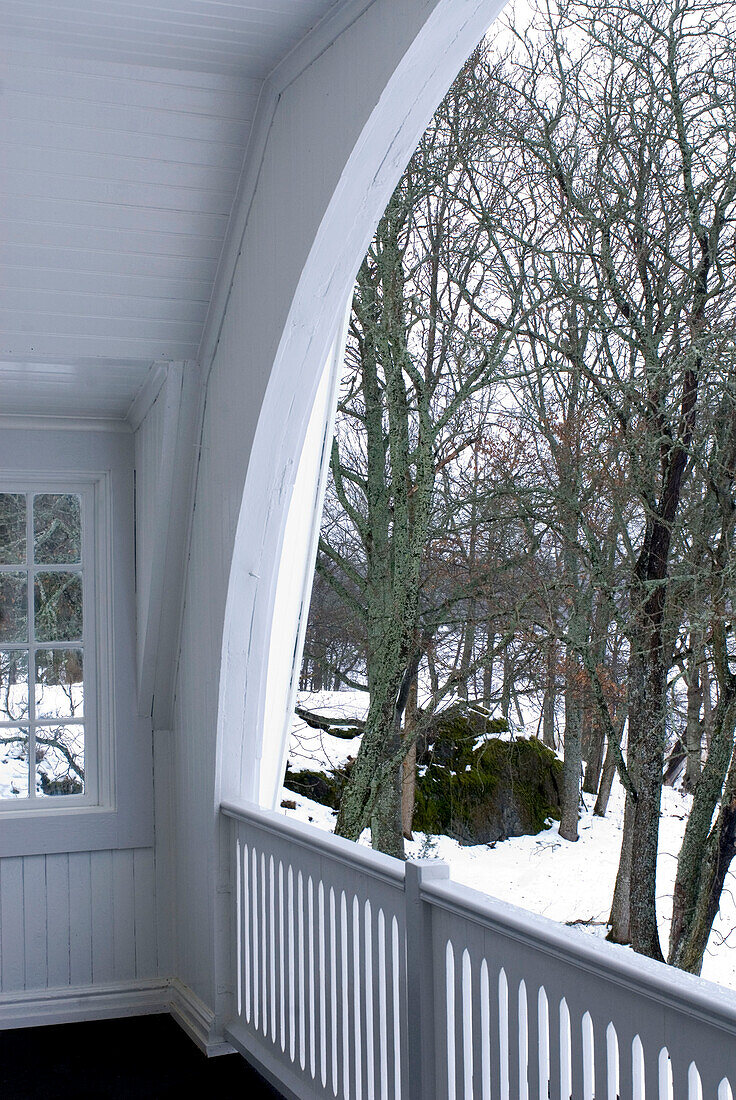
<point>570,883</point>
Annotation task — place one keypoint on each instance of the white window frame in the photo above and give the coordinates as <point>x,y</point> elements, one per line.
<point>94,492</point>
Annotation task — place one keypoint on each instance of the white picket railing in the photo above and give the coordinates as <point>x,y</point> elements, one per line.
<point>360,977</point>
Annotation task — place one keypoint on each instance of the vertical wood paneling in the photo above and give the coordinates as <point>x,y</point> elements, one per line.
<point>80,918</point>
<point>77,919</point>
<point>144,939</point>
<point>11,923</point>
<point>58,920</point>
<point>123,915</point>
<point>34,922</point>
<point>103,967</point>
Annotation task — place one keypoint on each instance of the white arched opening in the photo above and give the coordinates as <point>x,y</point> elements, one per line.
<point>269,564</point>
<point>295,574</point>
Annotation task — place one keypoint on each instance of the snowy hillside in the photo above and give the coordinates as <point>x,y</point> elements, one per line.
<point>570,883</point>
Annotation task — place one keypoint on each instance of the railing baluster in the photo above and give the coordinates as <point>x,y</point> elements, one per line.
<point>576,1048</point>
<point>651,1068</point>
<point>323,1035</point>
<point>625,1062</point>
<point>553,1011</point>
<point>291,973</point>
<point>311,979</point>
<point>517,1070</point>
<point>475,1014</point>
<point>600,1058</point>
<point>358,1012</point>
<point>532,1016</point>
<point>345,999</point>
<point>282,941</point>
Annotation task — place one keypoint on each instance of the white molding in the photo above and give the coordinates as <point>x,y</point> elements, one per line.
<point>75,1003</point>
<point>142,997</point>
<point>197,1019</point>
<point>150,616</point>
<point>244,195</point>
<point>63,423</point>
<point>146,396</point>
<point>314,44</point>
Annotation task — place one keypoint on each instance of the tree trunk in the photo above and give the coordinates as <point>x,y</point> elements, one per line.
<point>409,765</point>
<point>619,919</point>
<point>572,763</point>
<point>488,667</point>
<point>715,864</point>
<point>697,879</point>
<point>594,763</point>
<point>647,714</point>
<point>506,685</point>
<point>693,726</point>
<point>609,770</point>
<point>550,692</point>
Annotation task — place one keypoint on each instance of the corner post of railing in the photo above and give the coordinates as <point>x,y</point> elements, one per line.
<point>420,967</point>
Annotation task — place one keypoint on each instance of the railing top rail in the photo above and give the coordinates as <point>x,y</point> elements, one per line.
<point>374,864</point>
<point>679,991</point>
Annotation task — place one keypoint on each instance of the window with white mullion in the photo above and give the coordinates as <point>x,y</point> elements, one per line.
<point>44,622</point>
<point>30,589</point>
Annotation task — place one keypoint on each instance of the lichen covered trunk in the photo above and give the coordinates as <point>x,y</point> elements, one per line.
<point>700,868</point>
<point>647,739</point>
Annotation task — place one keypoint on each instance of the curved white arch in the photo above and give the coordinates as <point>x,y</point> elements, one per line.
<point>395,124</point>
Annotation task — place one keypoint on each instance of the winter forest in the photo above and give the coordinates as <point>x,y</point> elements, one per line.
<point>522,621</point>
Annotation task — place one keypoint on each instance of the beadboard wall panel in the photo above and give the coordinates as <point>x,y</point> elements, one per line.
<point>77,919</point>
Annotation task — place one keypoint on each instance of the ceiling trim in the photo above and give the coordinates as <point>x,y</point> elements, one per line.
<point>305,53</point>
<point>63,423</point>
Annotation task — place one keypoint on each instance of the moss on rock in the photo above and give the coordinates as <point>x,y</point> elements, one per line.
<point>471,785</point>
<point>323,787</point>
<point>483,790</point>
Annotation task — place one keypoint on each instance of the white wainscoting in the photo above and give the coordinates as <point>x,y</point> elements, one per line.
<point>77,919</point>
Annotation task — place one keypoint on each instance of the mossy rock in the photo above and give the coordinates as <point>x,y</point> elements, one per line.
<point>471,785</point>
<point>479,793</point>
<point>322,787</point>
<point>450,736</point>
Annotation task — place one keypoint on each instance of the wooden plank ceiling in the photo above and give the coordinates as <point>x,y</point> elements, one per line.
<point>123,127</point>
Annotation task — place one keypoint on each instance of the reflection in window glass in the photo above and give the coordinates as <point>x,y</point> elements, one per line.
<point>57,529</point>
<point>59,683</point>
<point>59,760</point>
<point>13,607</point>
<point>58,607</point>
<point>13,685</point>
<point>14,762</point>
<point>12,528</point>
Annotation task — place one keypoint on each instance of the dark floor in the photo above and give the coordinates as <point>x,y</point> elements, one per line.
<point>146,1058</point>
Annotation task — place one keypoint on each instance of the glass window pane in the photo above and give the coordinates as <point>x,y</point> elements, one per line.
<point>57,529</point>
<point>13,607</point>
<point>12,528</point>
<point>13,685</point>
<point>59,683</point>
<point>58,606</point>
<point>59,760</point>
<point>14,762</point>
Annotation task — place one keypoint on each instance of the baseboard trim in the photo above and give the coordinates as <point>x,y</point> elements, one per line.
<point>113,1000</point>
<point>197,1019</point>
<point>99,1002</point>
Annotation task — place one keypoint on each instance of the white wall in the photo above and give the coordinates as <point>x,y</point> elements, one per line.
<point>337,136</point>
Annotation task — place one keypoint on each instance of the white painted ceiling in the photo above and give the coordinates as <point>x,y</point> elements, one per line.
<point>123,128</point>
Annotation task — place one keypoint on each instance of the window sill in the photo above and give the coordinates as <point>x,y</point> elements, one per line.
<point>72,829</point>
